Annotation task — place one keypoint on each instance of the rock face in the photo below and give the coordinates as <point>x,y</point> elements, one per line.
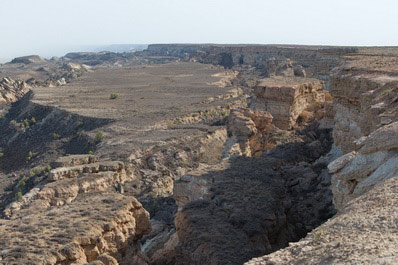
<point>249,205</point>
<point>364,179</point>
<point>249,130</point>
<point>94,227</point>
<point>365,232</point>
<point>366,126</point>
<point>12,90</point>
<point>316,61</point>
<point>78,216</point>
<point>286,98</point>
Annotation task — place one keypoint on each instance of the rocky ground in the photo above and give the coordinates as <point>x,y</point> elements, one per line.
<point>199,154</point>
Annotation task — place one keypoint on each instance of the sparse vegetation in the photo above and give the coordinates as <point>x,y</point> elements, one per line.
<point>79,124</point>
<point>21,184</point>
<point>80,133</point>
<point>90,152</point>
<point>318,235</point>
<point>387,91</point>
<point>114,96</point>
<point>99,137</point>
<point>30,156</point>
<point>47,169</point>
<point>55,136</point>
<point>18,196</point>
<point>1,154</point>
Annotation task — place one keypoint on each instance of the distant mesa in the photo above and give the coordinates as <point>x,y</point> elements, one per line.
<point>28,59</point>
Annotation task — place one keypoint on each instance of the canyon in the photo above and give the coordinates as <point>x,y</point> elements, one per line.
<point>200,154</point>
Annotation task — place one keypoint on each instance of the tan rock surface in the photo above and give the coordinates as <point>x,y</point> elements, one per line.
<point>250,130</point>
<point>286,98</point>
<point>93,225</point>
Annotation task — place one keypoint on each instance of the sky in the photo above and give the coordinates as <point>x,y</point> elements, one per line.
<point>54,27</point>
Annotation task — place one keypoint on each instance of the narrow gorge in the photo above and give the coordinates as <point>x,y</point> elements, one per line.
<point>200,154</point>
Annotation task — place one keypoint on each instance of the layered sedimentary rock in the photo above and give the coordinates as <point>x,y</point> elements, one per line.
<point>365,232</point>
<point>316,61</point>
<point>247,205</point>
<point>94,227</point>
<point>286,98</point>
<point>12,90</point>
<point>365,126</point>
<point>364,180</point>
<point>75,217</point>
<point>249,130</point>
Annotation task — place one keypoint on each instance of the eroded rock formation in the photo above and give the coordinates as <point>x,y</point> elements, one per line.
<point>365,127</point>
<point>78,216</point>
<point>249,131</point>
<point>12,90</point>
<point>286,98</point>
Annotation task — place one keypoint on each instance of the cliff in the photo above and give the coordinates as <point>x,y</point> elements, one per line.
<point>364,178</point>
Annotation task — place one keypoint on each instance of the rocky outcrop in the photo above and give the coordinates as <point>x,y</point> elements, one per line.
<point>12,90</point>
<point>249,132</point>
<point>79,216</point>
<point>78,174</point>
<point>365,126</point>
<point>94,228</point>
<point>364,178</point>
<point>31,59</point>
<point>312,61</point>
<point>358,171</point>
<point>249,205</point>
<point>287,98</point>
<point>365,232</point>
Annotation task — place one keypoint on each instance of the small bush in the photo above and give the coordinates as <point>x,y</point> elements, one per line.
<point>90,152</point>
<point>79,124</point>
<point>80,133</point>
<point>30,156</point>
<point>55,136</point>
<point>31,174</point>
<point>114,96</point>
<point>47,169</point>
<point>32,120</point>
<point>26,123</point>
<point>1,154</point>
<point>99,137</point>
<point>18,196</point>
<point>21,184</point>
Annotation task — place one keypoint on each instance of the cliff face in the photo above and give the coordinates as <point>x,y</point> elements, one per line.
<point>75,218</point>
<point>286,98</point>
<point>364,180</point>
<point>365,125</point>
<point>317,61</point>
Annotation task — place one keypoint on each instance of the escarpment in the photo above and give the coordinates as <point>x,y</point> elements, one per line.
<point>364,177</point>
<point>202,154</point>
<point>75,218</point>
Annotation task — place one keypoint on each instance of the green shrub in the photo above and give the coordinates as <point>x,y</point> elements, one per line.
<point>1,154</point>
<point>30,156</point>
<point>114,96</point>
<point>79,124</point>
<point>26,123</point>
<point>18,196</point>
<point>55,136</point>
<point>99,137</point>
<point>21,184</point>
<point>47,169</point>
<point>32,120</point>
<point>90,152</point>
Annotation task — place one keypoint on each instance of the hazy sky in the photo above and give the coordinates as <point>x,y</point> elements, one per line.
<point>51,27</point>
